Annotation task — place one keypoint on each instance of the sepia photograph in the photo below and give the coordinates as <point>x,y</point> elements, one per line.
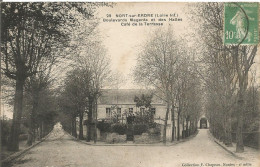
<point>130,84</point>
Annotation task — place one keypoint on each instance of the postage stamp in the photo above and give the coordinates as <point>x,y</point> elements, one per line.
<point>241,23</point>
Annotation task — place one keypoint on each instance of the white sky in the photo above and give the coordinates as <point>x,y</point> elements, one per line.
<point>124,42</point>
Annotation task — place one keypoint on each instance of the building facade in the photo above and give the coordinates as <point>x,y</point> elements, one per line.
<point>119,103</point>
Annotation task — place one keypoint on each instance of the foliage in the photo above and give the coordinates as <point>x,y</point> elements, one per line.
<point>143,101</point>
<point>145,115</point>
<point>154,129</point>
<point>118,128</point>
<point>5,130</point>
<point>252,112</point>
<point>140,128</point>
<point>104,126</point>
<point>77,88</point>
<point>41,25</point>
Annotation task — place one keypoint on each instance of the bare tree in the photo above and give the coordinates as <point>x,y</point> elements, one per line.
<point>90,55</point>
<point>156,64</point>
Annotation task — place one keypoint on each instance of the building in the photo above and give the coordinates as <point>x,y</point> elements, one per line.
<point>118,103</point>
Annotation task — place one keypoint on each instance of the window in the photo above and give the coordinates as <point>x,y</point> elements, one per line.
<point>153,111</point>
<point>119,112</point>
<point>131,110</point>
<point>108,112</point>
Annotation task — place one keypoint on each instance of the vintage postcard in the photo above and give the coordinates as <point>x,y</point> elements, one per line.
<point>130,84</point>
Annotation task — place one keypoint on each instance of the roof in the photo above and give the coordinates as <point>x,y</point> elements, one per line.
<point>124,96</point>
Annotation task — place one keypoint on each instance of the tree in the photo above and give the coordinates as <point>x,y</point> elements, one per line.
<point>92,57</point>
<point>35,87</point>
<point>143,101</point>
<point>67,112</point>
<point>188,94</point>
<point>244,58</point>
<point>77,89</point>
<point>146,116</point>
<point>156,64</point>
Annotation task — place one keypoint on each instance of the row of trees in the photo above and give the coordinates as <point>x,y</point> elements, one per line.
<point>90,72</point>
<point>34,38</point>
<point>228,76</point>
<point>166,66</point>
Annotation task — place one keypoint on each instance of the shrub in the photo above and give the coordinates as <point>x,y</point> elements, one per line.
<point>104,126</point>
<point>23,129</point>
<point>5,131</point>
<point>140,128</point>
<point>23,137</point>
<point>155,129</point>
<point>118,128</point>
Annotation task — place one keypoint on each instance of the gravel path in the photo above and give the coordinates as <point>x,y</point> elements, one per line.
<point>61,150</point>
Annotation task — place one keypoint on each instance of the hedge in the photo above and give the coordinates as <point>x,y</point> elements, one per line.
<point>140,128</point>
<point>118,128</point>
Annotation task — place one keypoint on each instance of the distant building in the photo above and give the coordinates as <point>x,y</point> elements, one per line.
<point>120,102</point>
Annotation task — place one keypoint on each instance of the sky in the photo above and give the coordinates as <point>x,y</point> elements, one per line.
<point>123,43</point>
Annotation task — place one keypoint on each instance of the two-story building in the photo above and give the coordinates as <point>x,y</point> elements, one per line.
<point>118,103</point>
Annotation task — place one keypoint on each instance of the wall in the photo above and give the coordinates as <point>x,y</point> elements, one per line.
<point>115,138</point>
<point>160,110</point>
<point>145,138</point>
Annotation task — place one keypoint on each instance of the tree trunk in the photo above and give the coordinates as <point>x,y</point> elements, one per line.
<point>187,128</point>
<point>72,127</point>
<point>30,133</point>
<point>239,135</point>
<point>34,134</point>
<point>81,125</point>
<point>18,107</point>
<point>31,123</point>
<point>89,120</point>
<point>165,123</point>
<point>173,123</point>
<point>191,127</point>
<point>224,127</point>
<point>75,127</point>
<point>95,133</point>
<point>178,126</point>
<point>183,127</point>
<point>41,129</point>
<point>228,130</point>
